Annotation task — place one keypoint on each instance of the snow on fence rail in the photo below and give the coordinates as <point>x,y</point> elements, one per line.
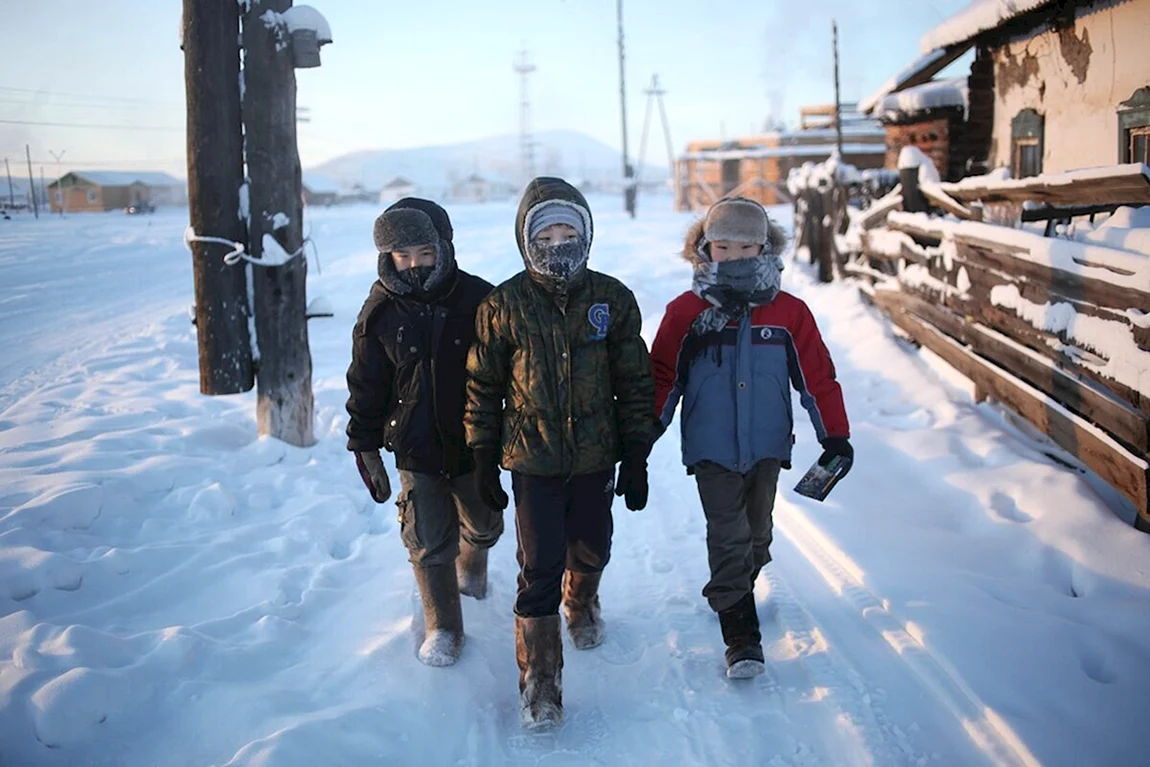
<point>1057,328</point>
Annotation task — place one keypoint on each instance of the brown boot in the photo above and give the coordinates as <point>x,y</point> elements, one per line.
<point>539,652</point>
<point>442,615</point>
<point>471,570</point>
<point>581,608</point>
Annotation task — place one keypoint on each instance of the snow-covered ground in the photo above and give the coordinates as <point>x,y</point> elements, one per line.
<point>176,591</point>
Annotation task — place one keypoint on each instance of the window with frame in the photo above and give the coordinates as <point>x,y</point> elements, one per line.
<point>92,196</point>
<point>1134,128</point>
<point>1026,140</point>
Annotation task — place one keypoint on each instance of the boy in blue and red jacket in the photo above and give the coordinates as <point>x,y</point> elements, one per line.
<point>730,348</point>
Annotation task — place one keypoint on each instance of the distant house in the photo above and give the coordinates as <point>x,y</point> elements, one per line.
<point>477,188</point>
<point>111,190</point>
<point>319,190</point>
<point>1055,85</point>
<point>758,166</point>
<point>14,195</point>
<point>396,189</point>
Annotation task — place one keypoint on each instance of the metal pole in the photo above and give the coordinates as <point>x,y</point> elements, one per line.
<point>60,179</point>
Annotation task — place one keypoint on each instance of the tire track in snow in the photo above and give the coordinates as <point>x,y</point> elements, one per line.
<point>987,732</point>
<point>862,733</point>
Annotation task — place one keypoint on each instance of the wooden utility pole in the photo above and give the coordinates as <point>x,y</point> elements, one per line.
<point>628,171</point>
<point>31,181</point>
<point>11,194</point>
<point>215,174</point>
<point>838,103</point>
<point>285,404</point>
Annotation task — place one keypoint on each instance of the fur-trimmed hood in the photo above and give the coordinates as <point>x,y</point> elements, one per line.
<point>776,241</point>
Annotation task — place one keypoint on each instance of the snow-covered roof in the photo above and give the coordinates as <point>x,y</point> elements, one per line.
<point>952,92</point>
<point>974,19</point>
<point>127,178</point>
<point>922,68</point>
<point>798,150</point>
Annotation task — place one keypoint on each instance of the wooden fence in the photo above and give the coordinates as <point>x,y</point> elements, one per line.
<point>1056,329</point>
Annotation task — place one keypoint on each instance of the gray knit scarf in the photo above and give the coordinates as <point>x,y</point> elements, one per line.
<point>732,288</point>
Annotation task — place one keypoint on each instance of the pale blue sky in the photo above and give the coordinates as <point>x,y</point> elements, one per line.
<point>403,74</point>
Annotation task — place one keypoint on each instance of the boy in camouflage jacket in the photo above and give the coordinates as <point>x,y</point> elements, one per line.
<point>559,389</point>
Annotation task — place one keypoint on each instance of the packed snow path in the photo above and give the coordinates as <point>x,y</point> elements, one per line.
<point>175,591</point>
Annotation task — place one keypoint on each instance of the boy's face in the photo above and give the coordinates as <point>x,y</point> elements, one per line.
<point>555,234</point>
<point>730,250</point>
<point>416,255</point>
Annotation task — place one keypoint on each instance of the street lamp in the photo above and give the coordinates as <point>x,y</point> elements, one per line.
<point>60,196</point>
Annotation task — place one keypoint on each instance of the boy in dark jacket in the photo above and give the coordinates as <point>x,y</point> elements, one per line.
<point>406,383</point>
<point>730,348</point>
<point>559,389</point>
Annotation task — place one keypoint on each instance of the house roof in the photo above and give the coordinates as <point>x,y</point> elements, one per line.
<point>797,150</point>
<point>951,92</point>
<point>126,178</point>
<point>978,17</point>
<point>919,71</point>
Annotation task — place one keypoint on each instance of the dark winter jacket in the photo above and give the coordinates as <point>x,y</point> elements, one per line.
<point>407,374</point>
<point>737,403</point>
<point>561,381</point>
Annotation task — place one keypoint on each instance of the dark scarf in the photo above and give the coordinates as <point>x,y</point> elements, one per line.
<point>420,282</point>
<point>732,288</point>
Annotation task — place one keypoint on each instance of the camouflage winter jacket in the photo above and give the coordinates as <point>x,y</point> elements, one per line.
<point>561,381</point>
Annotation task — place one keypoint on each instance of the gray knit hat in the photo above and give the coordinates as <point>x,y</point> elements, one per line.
<point>404,228</point>
<point>555,212</point>
<point>737,219</point>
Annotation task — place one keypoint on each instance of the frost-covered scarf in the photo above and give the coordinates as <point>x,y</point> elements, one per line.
<point>418,281</point>
<point>732,288</point>
<point>557,264</point>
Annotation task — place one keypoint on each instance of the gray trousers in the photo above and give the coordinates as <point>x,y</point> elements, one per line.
<point>738,508</point>
<point>434,512</point>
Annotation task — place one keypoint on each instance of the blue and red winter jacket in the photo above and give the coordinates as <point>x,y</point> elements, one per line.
<point>737,408</point>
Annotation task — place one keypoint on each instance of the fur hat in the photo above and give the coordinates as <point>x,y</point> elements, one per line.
<point>737,219</point>
<point>404,228</point>
<point>554,212</point>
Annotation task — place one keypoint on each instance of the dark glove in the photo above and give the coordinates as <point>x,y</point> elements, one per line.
<point>632,481</point>
<point>835,446</point>
<point>374,476</point>
<point>487,484</point>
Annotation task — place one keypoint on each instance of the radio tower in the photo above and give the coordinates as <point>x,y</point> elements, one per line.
<point>526,145</point>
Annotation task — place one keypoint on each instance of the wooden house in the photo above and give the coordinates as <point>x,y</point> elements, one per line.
<point>103,190</point>
<point>1054,85</point>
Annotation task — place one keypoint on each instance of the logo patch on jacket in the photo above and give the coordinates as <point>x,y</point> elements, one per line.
<point>599,315</point>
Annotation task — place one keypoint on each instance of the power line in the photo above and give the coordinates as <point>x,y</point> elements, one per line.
<point>86,96</point>
<point>91,125</point>
<point>72,104</point>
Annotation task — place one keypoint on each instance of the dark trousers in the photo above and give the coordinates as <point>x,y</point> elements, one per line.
<point>435,511</point>
<point>560,525</point>
<point>739,510</point>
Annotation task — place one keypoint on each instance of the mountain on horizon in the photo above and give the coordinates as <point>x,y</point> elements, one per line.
<point>566,153</point>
